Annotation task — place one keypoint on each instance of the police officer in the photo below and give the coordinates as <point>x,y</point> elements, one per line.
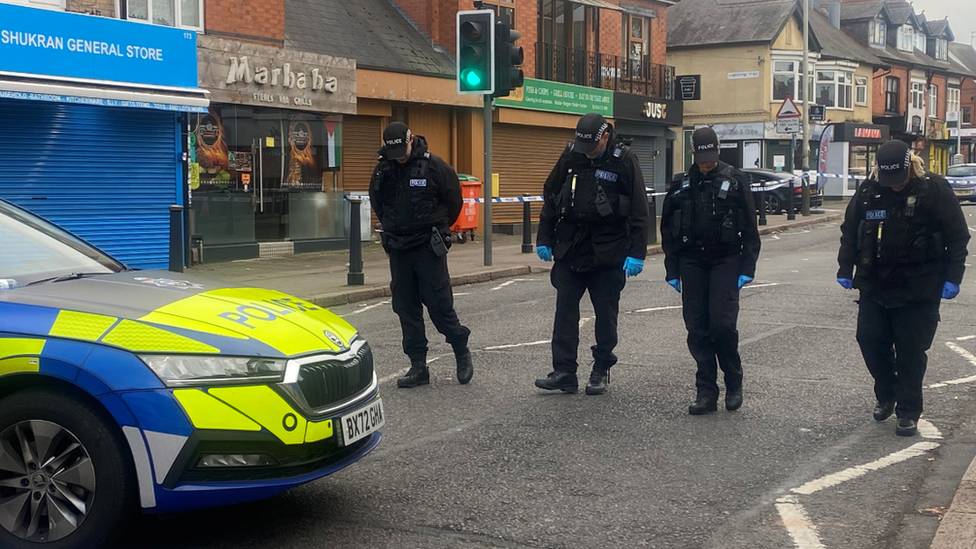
<point>417,197</point>
<point>594,225</point>
<point>711,245</point>
<point>905,236</point>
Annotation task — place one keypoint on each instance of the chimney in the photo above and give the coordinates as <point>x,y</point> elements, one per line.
<point>833,14</point>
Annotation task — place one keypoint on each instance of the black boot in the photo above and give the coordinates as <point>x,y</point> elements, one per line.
<point>703,405</point>
<point>417,375</point>
<point>599,381</point>
<point>465,368</point>
<point>906,427</point>
<point>733,399</point>
<point>884,409</point>
<point>559,381</point>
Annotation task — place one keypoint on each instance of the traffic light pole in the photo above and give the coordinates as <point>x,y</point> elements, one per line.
<point>487,181</point>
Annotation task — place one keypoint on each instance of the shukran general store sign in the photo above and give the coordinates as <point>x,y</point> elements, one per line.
<point>249,74</point>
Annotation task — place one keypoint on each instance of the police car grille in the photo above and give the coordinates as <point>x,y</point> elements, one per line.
<point>331,382</point>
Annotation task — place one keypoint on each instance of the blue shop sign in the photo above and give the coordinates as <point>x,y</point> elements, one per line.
<point>52,43</point>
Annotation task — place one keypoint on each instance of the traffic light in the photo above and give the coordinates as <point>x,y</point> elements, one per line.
<point>475,52</point>
<point>508,56</point>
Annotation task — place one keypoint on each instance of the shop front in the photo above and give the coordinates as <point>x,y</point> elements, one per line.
<point>268,152</point>
<point>94,114</point>
<point>741,144</point>
<point>848,149</point>
<point>645,121</point>
<point>964,146</point>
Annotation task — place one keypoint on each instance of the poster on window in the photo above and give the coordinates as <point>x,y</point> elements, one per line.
<point>211,151</point>
<point>303,164</point>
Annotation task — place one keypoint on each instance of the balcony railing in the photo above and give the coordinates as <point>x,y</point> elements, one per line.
<point>602,70</point>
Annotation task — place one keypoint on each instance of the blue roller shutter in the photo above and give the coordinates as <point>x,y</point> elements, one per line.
<point>106,174</point>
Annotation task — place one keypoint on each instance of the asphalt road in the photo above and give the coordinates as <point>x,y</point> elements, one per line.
<point>499,463</point>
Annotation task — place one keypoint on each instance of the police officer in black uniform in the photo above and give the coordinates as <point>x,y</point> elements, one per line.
<point>594,224</point>
<point>417,197</point>
<point>711,245</point>
<point>905,236</point>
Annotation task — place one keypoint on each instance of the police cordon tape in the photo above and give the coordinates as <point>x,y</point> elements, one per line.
<point>517,199</point>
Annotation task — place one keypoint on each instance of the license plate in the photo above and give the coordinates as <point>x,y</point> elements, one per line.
<point>964,193</point>
<point>363,422</point>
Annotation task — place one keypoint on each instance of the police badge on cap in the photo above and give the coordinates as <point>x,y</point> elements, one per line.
<point>704,144</point>
<point>894,161</point>
<point>589,130</point>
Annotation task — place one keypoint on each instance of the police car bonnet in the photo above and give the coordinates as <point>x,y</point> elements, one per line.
<point>894,161</point>
<point>396,136</point>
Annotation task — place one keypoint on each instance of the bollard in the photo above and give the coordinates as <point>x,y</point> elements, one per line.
<point>790,213</point>
<point>652,214</point>
<point>176,239</point>
<point>355,276</point>
<point>762,203</point>
<point>527,247</point>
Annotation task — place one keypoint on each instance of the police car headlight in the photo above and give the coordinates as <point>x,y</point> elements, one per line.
<point>182,370</point>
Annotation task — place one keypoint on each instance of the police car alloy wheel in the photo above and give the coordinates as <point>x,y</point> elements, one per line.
<point>65,478</point>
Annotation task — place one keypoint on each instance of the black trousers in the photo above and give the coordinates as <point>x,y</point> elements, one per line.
<point>604,287</point>
<point>710,303</point>
<point>893,343</point>
<point>419,278</point>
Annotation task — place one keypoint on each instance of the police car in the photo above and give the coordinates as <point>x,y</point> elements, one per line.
<point>123,390</point>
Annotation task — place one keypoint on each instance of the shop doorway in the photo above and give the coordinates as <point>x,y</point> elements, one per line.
<point>752,154</point>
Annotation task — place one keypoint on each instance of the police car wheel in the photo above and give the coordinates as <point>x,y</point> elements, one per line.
<point>66,478</point>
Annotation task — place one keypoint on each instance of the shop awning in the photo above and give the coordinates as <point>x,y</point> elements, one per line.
<point>108,95</point>
<point>598,4</point>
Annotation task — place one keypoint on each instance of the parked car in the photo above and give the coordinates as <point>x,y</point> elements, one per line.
<point>777,190</point>
<point>963,180</point>
<point>123,390</point>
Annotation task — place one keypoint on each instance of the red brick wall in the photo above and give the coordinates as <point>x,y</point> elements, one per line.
<point>258,21</point>
<point>878,88</point>
<point>941,82</point>
<point>968,99</point>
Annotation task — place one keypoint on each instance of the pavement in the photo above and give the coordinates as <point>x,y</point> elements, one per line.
<point>321,277</point>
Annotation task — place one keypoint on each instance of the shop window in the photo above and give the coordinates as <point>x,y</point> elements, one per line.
<point>892,84</point>
<point>861,91</point>
<point>185,14</point>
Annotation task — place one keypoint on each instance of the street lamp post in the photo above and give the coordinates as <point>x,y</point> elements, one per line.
<point>807,93</point>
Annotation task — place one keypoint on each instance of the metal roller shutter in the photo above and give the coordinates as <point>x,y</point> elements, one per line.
<point>523,156</point>
<point>107,174</point>
<point>361,138</point>
<point>646,152</point>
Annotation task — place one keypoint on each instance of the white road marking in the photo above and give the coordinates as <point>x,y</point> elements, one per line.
<point>965,338</point>
<point>915,450</point>
<point>502,285</point>
<point>513,346</point>
<point>770,333</point>
<point>775,237</point>
<point>402,372</point>
<point>462,293</point>
<point>963,353</point>
<point>764,285</point>
<point>368,307</point>
<point>652,309</point>
<point>584,320</point>
<point>928,430</point>
<point>798,524</point>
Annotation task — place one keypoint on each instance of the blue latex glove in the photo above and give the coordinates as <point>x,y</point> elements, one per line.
<point>846,283</point>
<point>544,253</point>
<point>676,284</point>
<point>633,266</point>
<point>950,290</point>
<point>743,280</point>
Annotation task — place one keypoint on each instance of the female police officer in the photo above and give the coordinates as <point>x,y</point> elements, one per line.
<point>907,236</point>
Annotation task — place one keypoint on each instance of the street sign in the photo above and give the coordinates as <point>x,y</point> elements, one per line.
<point>952,116</point>
<point>788,109</point>
<point>789,125</point>
<point>817,113</point>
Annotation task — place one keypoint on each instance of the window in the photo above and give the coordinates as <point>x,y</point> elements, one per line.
<point>786,80</point>
<point>891,94</point>
<point>879,33</point>
<point>906,38</point>
<point>502,11</point>
<point>941,49</point>
<point>952,100</point>
<point>636,42</point>
<point>861,91</point>
<point>967,115</point>
<point>918,96</point>
<point>933,101</point>
<point>187,14</point>
<point>834,89</point>
<point>920,41</point>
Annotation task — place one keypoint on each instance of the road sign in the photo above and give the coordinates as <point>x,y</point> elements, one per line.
<point>817,113</point>
<point>788,109</point>
<point>952,116</point>
<point>789,125</point>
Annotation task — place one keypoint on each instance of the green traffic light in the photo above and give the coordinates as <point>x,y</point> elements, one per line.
<point>472,78</point>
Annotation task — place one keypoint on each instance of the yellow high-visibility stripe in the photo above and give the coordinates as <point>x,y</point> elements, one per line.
<point>19,364</point>
<point>75,325</point>
<point>318,431</point>
<point>136,336</point>
<point>266,407</point>
<point>206,412</point>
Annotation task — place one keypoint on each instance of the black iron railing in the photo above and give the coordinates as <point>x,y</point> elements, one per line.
<point>605,71</point>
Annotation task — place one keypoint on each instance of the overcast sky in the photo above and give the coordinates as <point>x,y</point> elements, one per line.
<point>962,15</point>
